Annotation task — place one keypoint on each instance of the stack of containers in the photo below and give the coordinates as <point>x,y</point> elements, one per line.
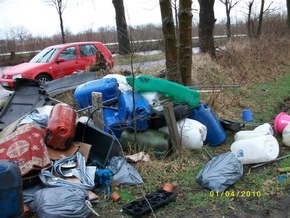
<point>256,146</point>
<point>127,111</point>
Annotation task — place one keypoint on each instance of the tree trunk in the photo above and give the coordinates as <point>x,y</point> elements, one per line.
<point>185,41</point>
<point>122,30</point>
<point>250,5</point>
<point>259,29</point>
<point>170,42</point>
<point>288,15</point>
<point>228,24</point>
<point>229,4</point>
<point>206,27</point>
<point>61,27</point>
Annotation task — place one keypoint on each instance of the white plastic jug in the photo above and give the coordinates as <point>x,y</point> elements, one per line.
<point>256,150</point>
<point>192,133</point>
<point>266,127</point>
<point>247,134</point>
<point>154,99</point>
<point>286,135</point>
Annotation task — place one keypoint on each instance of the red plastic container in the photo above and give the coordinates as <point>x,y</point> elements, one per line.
<point>61,127</point>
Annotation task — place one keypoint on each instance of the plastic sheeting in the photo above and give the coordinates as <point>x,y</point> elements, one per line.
<point>61,202</point>
<point>86,175</point>
<point>123,172</point>
<point>220,172</point>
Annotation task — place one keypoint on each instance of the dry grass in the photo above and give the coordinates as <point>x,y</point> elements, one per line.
<point>244,61</point>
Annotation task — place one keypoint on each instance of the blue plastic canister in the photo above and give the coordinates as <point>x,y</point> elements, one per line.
<point>11,197</point>
<point>112,123</point>
<point>215,132</point>
<point>126,110</point>
<point>107,86</point>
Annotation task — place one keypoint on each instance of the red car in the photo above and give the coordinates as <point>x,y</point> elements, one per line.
<point>58,61</point>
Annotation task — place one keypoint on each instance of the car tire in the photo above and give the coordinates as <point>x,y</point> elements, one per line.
<point>43,78</point>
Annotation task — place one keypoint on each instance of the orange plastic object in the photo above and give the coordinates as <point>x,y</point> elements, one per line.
<point>168,187</point>
<point>61,127</point>
<point>115,196</point>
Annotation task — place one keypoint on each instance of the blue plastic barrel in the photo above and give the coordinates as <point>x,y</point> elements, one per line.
<point>107,86</point>
<point>112,123</point>
<point>127,111</point>
<point>215,132</point>
<point>11,196</point>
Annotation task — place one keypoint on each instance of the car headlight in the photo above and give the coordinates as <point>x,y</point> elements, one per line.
<point>17,76</point>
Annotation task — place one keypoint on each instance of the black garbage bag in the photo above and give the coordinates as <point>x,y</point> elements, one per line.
<point>220,172</point>
<point>61,202</point>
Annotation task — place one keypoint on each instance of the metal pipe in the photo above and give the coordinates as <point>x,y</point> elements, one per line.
<point>262,164</point>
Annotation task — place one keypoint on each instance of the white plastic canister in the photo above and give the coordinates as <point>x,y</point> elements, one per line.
<point>247,134</point>
<point>264,129</point>
<point>286,135</point>
<point>256,150</point>
<point>192,133</point>
<point>154,99</point>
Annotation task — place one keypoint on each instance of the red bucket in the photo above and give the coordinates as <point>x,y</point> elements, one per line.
<point>281,121</point>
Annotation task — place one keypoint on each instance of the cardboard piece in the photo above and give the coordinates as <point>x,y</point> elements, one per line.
<point>84,149</point>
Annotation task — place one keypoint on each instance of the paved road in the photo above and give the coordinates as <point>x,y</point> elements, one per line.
<point>141,66</point>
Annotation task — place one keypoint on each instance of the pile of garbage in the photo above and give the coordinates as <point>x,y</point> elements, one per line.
<point>56,162</point>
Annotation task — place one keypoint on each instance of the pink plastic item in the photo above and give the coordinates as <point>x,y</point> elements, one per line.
<point>281,122</point>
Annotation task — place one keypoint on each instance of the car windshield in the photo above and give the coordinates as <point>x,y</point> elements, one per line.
<point>44,56</point>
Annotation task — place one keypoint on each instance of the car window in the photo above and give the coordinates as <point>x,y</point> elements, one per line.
<point>87,50</point>
<point>69,53</point>
<point>46,55</point>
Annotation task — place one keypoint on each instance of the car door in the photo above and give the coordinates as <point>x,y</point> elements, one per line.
<point>66,63</point>
<point>87,54</point>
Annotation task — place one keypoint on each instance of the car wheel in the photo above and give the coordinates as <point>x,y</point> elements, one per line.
<point>43,78</point>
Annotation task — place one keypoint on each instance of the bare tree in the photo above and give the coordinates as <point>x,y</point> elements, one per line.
<point>122,29</point>
<point>206,27</point>
<point>252,31</point>
<point>170,41</point>
<point>185,40</point>
<point>60,5</point>
<point>20,33</point>
<point>229,4</point>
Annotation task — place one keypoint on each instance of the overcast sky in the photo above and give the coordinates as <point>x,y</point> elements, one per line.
<point>42,20</point>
